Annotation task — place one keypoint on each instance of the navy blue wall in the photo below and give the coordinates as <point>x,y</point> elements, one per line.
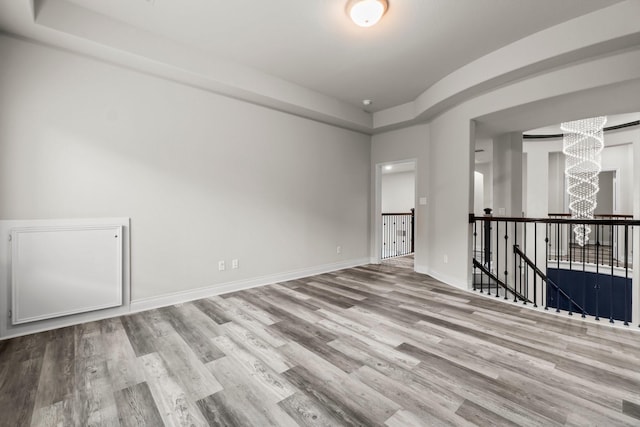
<point>592,291</point>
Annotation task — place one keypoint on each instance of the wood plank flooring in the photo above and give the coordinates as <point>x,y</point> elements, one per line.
<point>367,346</point>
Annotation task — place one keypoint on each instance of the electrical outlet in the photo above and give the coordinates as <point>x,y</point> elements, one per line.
<point>446,258</point>
<point>234,263</point>
<point>221,266</point>
<point>338,249</point>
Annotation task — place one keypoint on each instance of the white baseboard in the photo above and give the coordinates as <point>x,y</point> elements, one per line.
<point>223,288</point>
<point>422,269</point>
<point>64,322</point>
<point>184,296</point>
<point>444,278</point>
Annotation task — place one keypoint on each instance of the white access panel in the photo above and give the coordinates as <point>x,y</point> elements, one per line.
<point>57,271</point>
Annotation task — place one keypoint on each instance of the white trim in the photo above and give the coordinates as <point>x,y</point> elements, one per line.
<point>376,244</point>
<point>223,288</point>
<point>422,269</point>
<point>63,322</point>
<point>451,281</point>
<point>185,296</point>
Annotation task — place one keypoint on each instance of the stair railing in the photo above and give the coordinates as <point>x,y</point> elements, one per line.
<point>527,260</point>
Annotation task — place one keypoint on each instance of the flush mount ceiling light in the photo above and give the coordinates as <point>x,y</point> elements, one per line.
<point>366,13</point>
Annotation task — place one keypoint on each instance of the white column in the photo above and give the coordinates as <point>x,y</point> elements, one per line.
<point>507,175</point>
<point>507,200</point>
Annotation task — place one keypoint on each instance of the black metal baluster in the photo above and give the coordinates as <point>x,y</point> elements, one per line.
<point>395,235</point>
<point>626,272</point>
<point>559,249</point>
<point>400,236</point>
<point>558,242</point>
<point>535,262</point>
<point>617,243</point>
<point>526,267</point>
<point>384,236</point>
<point>404,235</point>
<point>482,256</point>
<point>475,241</point>
<point>570,297</point>
<point>546,266</point>
<point>413,230</point>
<point>611,289</point>
<point>388,253</point>
<point>388,237</point>
<point>497,257</point>
<point>392,236</point>
<point>597,285</point>
<point>506,260</point>
<point>584,279</point>
<point>569,244</point>
<point>515,265</point>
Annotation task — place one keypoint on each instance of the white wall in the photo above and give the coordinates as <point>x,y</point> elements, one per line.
<point>411,143</point>
<point>398,192</point>
<point>486,170</point>
<point>616,156</point>
<point>202,177</point>
<point>478,193</point>
<point>556,187</point>
<point>620,160</point>
<point>605,196</point>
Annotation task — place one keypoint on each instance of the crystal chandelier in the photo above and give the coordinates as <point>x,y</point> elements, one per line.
<point>583,142</point>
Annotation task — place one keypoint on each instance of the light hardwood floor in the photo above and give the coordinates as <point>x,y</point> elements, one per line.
<point>367,346</point>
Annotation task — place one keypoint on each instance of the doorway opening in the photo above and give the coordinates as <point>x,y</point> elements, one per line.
<point>397,213</point>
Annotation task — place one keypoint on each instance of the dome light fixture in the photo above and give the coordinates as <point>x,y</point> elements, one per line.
<point>366,13</point>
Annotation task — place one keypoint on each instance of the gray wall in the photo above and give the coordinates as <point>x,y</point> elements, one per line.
<point>203,177</point>
<point>411,143</point>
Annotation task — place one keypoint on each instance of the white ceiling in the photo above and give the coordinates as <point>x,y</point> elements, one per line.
<point>313,43</point>
<point>295,45</point>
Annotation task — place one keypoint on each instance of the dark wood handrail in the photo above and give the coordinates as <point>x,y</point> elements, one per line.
<point>559,135</point>
<point>621,216</point>
<point>473,218</point>
<point>398,213</point>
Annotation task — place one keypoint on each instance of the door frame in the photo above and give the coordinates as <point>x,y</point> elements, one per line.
<point>376,257</point>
